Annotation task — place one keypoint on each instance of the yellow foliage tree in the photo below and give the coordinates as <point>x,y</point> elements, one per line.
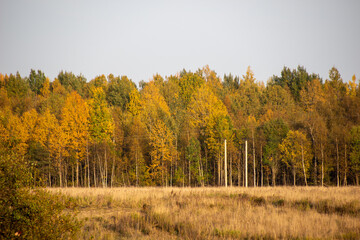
<point>75,124</point>
<point>19,131</point>
<point>212,80</point>
<point>45,90</point>
<point>57,146</point>
<point>135,104</point>
<point>46,125</point>
<point>154,105</point>
<point>252,124</point>
<point>352,86</point>
<point>19,135</point>
<point>157,117</point>
<point>162,142</point>
<point>296,152</point>
<point>209,116</point>
<point>30,120</point>
<point>4,133</point>
<point>101,127</point>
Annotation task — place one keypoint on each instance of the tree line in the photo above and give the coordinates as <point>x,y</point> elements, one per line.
<point>299,129</point>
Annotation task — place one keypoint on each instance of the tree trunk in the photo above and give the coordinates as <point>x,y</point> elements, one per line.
<point>303,163</point>
<point>337,164</point>
<point>85,174</point>
<point>231,180</point>
<point>88,165</point>
<point>315,170</point>
<point>49,171</point>
<point>162,171</point>
<point>166,178</point>
<point>294,174</point>
<point>60,179</point>
<point>238,168</point>
<point>183,176</point>
<point>136,166</point>
<point>199,175</point>
<point>105,169</point>
<point>315,160</point>
<point>101,172</point>
<point>261,166</point>
<point>274,172</point>
<point>206,166</point>
<point>72,175</point>
<point>94,165</point>
<point>171,171</point>
<point>123,178</point>
<point>113,171</point>
<point>322,165</point>
<point>66,175</point>
<point>189,163</point>
<point>162,163</point>
<point>225,164</point>
<point>219,170</point>
<point>254,158</point>
<point>189,173</point>
<point>345,170</point>
<point>77,173</point>
<point>201,169</point>
<point>60,174</point>
<point>81,176</point>
<point>246,167</point>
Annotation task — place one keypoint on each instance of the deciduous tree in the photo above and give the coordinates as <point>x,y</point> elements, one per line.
<point>75,124</point>
<point>296,152</point>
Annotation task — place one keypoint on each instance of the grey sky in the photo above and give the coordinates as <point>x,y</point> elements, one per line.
<point>141,38</point>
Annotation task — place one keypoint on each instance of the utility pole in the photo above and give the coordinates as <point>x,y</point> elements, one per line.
<point>225,167</point>
<point>246,167</point>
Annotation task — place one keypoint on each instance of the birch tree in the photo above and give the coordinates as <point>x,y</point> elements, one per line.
<point>296,152</point>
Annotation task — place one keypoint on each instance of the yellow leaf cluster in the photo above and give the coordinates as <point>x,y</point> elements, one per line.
<point>208,114</point>
<point>161,141</point>
<point>154,104</point>
<point>75,123</point>
<point>293,146</point>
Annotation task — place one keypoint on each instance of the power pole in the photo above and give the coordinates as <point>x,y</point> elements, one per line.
<point>225,167</point>
<point>246,169</point>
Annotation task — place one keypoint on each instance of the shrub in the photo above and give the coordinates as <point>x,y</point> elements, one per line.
<point>278,202</point>
<point>27,213</point>
<point>258,201</point>
<point>303,204</point>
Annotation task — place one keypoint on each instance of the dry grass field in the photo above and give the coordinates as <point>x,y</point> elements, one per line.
<point>216,213</point>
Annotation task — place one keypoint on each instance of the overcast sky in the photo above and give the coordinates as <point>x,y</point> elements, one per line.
<point>141,38</point>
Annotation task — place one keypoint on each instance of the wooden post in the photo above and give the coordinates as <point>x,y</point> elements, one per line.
<point>246,167</point>
<point>225,166</point>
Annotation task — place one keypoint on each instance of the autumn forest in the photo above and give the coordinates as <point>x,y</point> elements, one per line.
<point>171,131</point>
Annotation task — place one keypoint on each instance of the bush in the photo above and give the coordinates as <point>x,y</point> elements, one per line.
<point>303,204</point>
<point>278,202</point>
<point>258,201</point>
<point>27,213</point>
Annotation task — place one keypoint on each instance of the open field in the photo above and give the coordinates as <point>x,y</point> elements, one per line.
<point>217,213</point>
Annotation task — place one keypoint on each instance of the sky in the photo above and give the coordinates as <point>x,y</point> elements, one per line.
<point>140,38</point>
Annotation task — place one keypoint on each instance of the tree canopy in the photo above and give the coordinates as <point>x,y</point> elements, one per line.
<point>171,130</point>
